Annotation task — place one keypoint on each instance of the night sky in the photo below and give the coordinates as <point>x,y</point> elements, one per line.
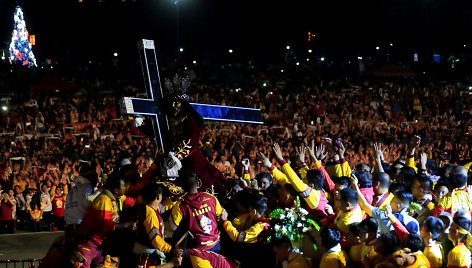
<point>91,30</point>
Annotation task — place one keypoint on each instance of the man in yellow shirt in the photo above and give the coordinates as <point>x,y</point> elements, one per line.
<point>150,243</point>
<point>456,200</point>
<point>430,230</point>
<point>312,193</point>
<point>257,209</point>
<point>349,213</point>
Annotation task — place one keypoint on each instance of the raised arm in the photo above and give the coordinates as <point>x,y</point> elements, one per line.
<point>301,152</point>
<point>423,161</point>
<point>278,175</point>
<point>246,175</point>
<point>379,157</point>
<point>362,201</point>
<point>311,197</point>
<point>414,143</point>
<point>319,153</point>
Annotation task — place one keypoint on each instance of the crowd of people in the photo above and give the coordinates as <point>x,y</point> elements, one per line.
<point>380,165</point>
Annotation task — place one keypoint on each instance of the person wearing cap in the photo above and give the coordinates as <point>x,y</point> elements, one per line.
<point>460,255</point>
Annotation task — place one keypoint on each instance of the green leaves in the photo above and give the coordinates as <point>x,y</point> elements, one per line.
<point>276,213</point>
<point>317,227</point>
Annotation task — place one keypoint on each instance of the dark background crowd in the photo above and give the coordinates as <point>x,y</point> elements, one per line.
<point>46,134</point>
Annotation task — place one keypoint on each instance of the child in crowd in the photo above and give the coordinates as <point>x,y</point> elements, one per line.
<point>36,209</point>
<point>349,212</point>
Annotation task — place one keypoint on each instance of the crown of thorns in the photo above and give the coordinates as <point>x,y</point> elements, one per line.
<point>177,87</point>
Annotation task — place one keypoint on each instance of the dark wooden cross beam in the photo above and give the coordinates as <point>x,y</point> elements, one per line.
<point>152,106</point>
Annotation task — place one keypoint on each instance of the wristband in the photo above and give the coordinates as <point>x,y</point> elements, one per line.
<point>410,156</point>
<point>282,162</point>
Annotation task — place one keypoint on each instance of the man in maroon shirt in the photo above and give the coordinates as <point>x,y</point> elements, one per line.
<point>7,206</point>
<point>198,213</point>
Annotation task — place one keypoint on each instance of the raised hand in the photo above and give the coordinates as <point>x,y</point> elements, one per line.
<point>415,142</point>
<point>341,151</point>
<point>278,152</point>
<point>246,163</point>
<point>354,181</point>
<point>311,151</point>
<point>379,151</point>
<point>321,152</point>
<point>301,151</point>
<point>265,160</point>
<point>423,160</point>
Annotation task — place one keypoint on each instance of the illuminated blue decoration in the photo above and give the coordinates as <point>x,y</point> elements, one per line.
<point>20,47</point>
<point>229,113</point>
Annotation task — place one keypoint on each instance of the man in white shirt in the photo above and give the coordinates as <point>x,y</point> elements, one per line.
<point>80,197</point>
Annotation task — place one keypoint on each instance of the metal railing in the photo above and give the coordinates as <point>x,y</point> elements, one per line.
<point>28,263</point>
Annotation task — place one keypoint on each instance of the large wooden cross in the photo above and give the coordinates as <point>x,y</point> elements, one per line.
<point>152,106</point>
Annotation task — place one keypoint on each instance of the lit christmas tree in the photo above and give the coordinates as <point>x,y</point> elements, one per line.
<point>20,47</point>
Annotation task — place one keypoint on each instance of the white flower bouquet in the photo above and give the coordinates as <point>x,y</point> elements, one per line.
<point>290,222</point>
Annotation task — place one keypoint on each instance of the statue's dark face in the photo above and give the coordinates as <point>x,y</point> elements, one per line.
<point>173,108</point>
<point>176,105</point>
